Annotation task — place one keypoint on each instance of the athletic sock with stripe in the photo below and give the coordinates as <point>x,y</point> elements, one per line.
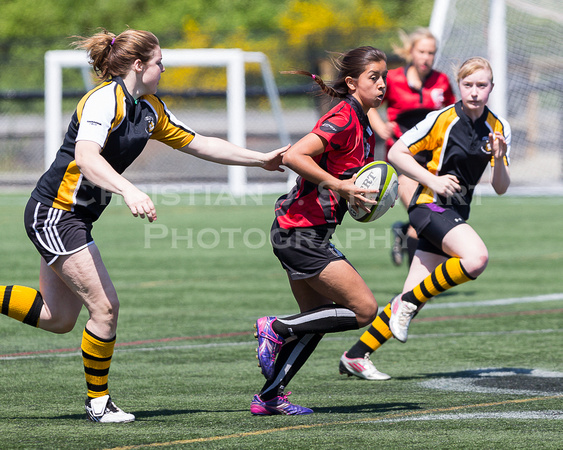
<point>96,355</point>
<point>288,362</point>
<point>325,319</point>
<point>374,337</point>
<point>446,276</point>
<point>21,303</point>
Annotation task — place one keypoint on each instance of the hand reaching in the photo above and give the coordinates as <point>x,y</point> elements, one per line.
<point>273,159</point>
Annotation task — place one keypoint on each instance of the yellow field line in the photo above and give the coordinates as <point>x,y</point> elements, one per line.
<point>323,424</point>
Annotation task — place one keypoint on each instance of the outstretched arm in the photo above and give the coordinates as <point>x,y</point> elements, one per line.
<point>224,152</point>
<point>401,157</point>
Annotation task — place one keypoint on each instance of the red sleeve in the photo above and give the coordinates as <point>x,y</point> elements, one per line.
<point>337,127</point>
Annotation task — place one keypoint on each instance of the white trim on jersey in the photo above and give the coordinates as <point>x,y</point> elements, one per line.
<point>445,143</point>
<point>76,190</point>
<point>97,115</point>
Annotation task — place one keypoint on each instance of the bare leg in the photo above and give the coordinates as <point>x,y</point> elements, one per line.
<point>338,283</point>
<point>76,280</point>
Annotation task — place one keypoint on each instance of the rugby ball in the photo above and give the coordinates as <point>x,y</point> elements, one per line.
<point>376,175</point>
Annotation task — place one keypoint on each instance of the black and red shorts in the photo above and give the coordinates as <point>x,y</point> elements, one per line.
<point>304,252</point>
<point>56,232</point>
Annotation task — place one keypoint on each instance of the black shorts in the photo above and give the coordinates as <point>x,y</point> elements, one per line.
<point>304,252</point>
<point>432,223</point>
<point>56,232</point>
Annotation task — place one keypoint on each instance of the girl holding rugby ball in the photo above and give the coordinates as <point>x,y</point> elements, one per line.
<point>330,293</point>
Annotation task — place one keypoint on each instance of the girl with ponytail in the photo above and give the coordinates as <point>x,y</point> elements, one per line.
<point>331,295</point>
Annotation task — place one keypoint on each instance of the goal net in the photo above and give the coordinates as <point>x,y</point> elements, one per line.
<point>222,117</point>
<point>523,40</point>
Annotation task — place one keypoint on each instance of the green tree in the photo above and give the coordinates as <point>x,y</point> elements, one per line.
<point>292,33</point>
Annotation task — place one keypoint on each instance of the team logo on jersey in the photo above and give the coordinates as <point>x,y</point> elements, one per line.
<point>329,127</point>
<point>486,145</point>
<point>150,124</point>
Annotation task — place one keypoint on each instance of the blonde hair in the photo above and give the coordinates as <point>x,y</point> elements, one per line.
<point>410,40</point>
<point>471,66</point>
<point>112,55</point>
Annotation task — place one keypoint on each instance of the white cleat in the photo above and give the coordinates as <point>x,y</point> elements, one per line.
<point>103,410</point>
<point>401,316</point>
<point>361,368</point>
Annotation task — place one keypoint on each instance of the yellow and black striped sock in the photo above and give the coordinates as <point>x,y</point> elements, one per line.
<point>447,275</point>
<point>96,354</point>
<point>21,303</point>
<point>374,337</point>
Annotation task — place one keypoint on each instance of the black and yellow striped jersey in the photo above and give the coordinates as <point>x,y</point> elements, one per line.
<point>122,126</point>
<point>454,144</point>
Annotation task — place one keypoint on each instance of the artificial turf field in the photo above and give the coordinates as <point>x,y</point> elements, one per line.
<point>483,366</point>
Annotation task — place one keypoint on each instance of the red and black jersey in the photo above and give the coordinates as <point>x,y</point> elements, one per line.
<point>407,106</point>
<point>455,145</point>
<point>350,145</point>
<point>122,126</point>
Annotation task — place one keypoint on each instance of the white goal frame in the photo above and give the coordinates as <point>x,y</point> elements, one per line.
<point>496,46</point>
<point>233,60</point>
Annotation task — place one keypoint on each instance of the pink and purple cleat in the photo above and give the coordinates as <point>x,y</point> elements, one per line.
<point>277,406</point>
<point>269,345</point>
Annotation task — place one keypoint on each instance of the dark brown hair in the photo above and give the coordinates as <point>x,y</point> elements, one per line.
<point>350,64</point>
<point>112,55</point>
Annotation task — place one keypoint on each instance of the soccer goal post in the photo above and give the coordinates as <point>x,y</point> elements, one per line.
<point>522,40</point>
<point>234,61</point>
<point>496,44</point>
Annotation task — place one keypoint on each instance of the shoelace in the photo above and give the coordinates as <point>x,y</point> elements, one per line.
<point>111,407</point>
<point>369,366</point>
<point>405,314</point>
<point>284,397</point>
<point>271,338</point>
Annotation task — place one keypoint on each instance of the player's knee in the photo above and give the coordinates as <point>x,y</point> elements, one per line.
<point>482,262</point>
<point>62,325</point>
<point>367,314</point>
<point>105,311</point>
<point>476,265</point>
<point>58,321</point>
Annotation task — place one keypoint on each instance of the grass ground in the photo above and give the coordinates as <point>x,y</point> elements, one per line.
<point>483,367</point>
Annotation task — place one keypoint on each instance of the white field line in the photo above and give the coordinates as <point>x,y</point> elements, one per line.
<point>507,301</point>
<point>498,302</point>
<point>520,415</point>
<point>252,343</point>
